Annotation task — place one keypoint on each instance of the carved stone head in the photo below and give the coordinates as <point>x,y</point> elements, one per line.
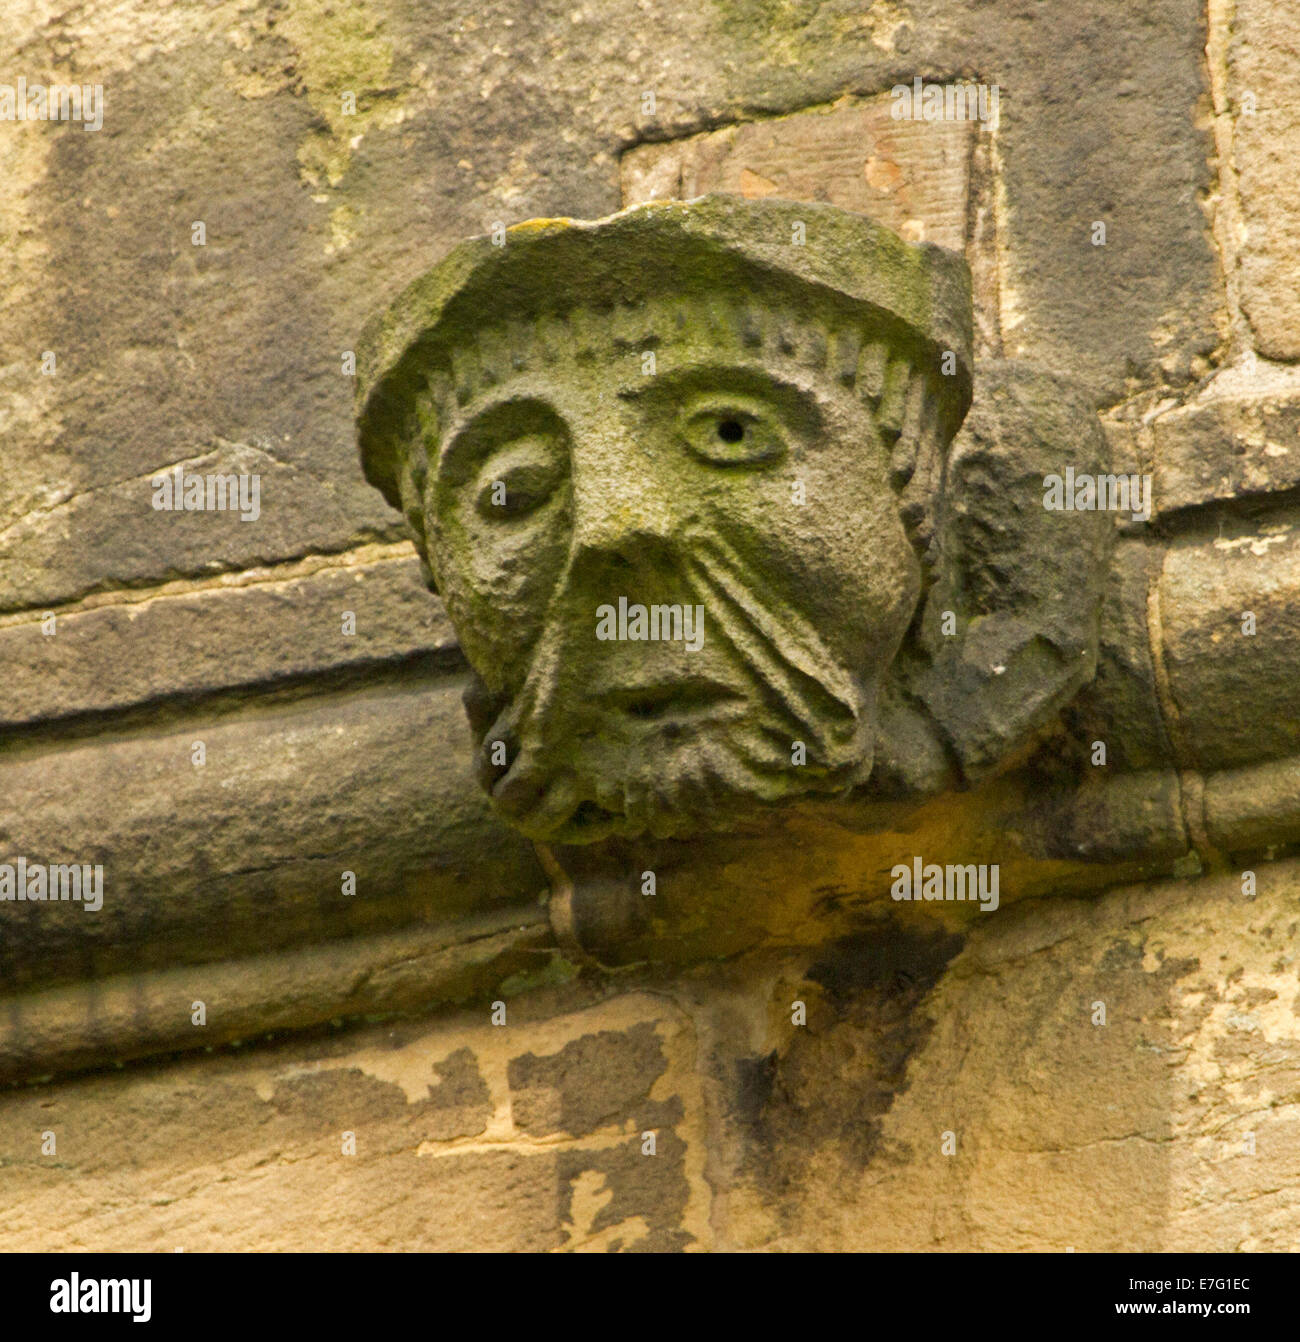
<point>674,474</point>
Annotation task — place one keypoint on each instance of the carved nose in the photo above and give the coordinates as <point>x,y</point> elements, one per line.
<point>620,518</point>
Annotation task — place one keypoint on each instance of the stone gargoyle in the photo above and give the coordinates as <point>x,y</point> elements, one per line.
<point>689,483</point>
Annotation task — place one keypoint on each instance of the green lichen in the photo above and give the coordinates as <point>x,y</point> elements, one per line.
<point>341,52</point>
<point>555,974</point>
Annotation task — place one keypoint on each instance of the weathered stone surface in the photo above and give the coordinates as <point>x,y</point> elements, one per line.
<point>56,551</point>
<point>1021,584</point>
<point>587,1084</point>
<point>1121,707</point>
<point>132,1015</point>
<point>247,851</point>
<point>1166,1123</point>
<point>1241,443</point>
<point>230,356</point>
<point>1262,51</point>
<point>1256,808</point>
<point>1101,817</point>
<point>1128,1135</point>
<point>264,627</point>
<point>1230,610</point>
<point>930,181</point>
<point>912,176</point>
<point>246,1151</point>
<point>166,349</point>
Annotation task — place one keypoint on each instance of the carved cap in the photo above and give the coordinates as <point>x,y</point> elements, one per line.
<point>846,266</point>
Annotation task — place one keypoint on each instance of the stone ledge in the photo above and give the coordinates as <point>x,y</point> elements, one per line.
<point>261,627</point>
<point>1236,443</point>
<point>131,1016</point>
<point>245,853</point>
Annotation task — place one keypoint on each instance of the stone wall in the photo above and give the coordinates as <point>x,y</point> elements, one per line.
<point>1100,1064</point>
<point>1113,1073</point>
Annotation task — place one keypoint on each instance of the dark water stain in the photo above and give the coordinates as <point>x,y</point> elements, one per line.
<point>827,1090</point>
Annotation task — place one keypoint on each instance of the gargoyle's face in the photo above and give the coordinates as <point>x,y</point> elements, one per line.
<point>680,589</point>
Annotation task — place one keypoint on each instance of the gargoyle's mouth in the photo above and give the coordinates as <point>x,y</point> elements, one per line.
<point>669,699</point>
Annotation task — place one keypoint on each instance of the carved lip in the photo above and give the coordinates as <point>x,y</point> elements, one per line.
<point>695,696</point>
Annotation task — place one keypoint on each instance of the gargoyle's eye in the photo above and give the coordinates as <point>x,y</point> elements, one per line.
<point>730,431</point>
<point>518,479</point>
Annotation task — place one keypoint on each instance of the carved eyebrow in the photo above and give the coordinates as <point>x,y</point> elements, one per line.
<point>490,427</point>
<point>796,403</point>
<point>700,376</point>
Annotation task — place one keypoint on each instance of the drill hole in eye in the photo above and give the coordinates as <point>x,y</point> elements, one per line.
<point>731,431</point>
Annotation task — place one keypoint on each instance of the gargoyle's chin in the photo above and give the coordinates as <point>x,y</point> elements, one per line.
<point>673,779</point>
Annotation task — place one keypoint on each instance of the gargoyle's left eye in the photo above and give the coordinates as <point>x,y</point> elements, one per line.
<point>728,432</point>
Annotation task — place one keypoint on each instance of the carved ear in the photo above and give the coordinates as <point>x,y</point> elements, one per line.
<point>1010,627</point>
<point>414,474</point>
<point>410,470</point>
<point>917,424</point>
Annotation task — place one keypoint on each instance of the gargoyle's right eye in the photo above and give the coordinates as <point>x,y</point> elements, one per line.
<point>518,479</point>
